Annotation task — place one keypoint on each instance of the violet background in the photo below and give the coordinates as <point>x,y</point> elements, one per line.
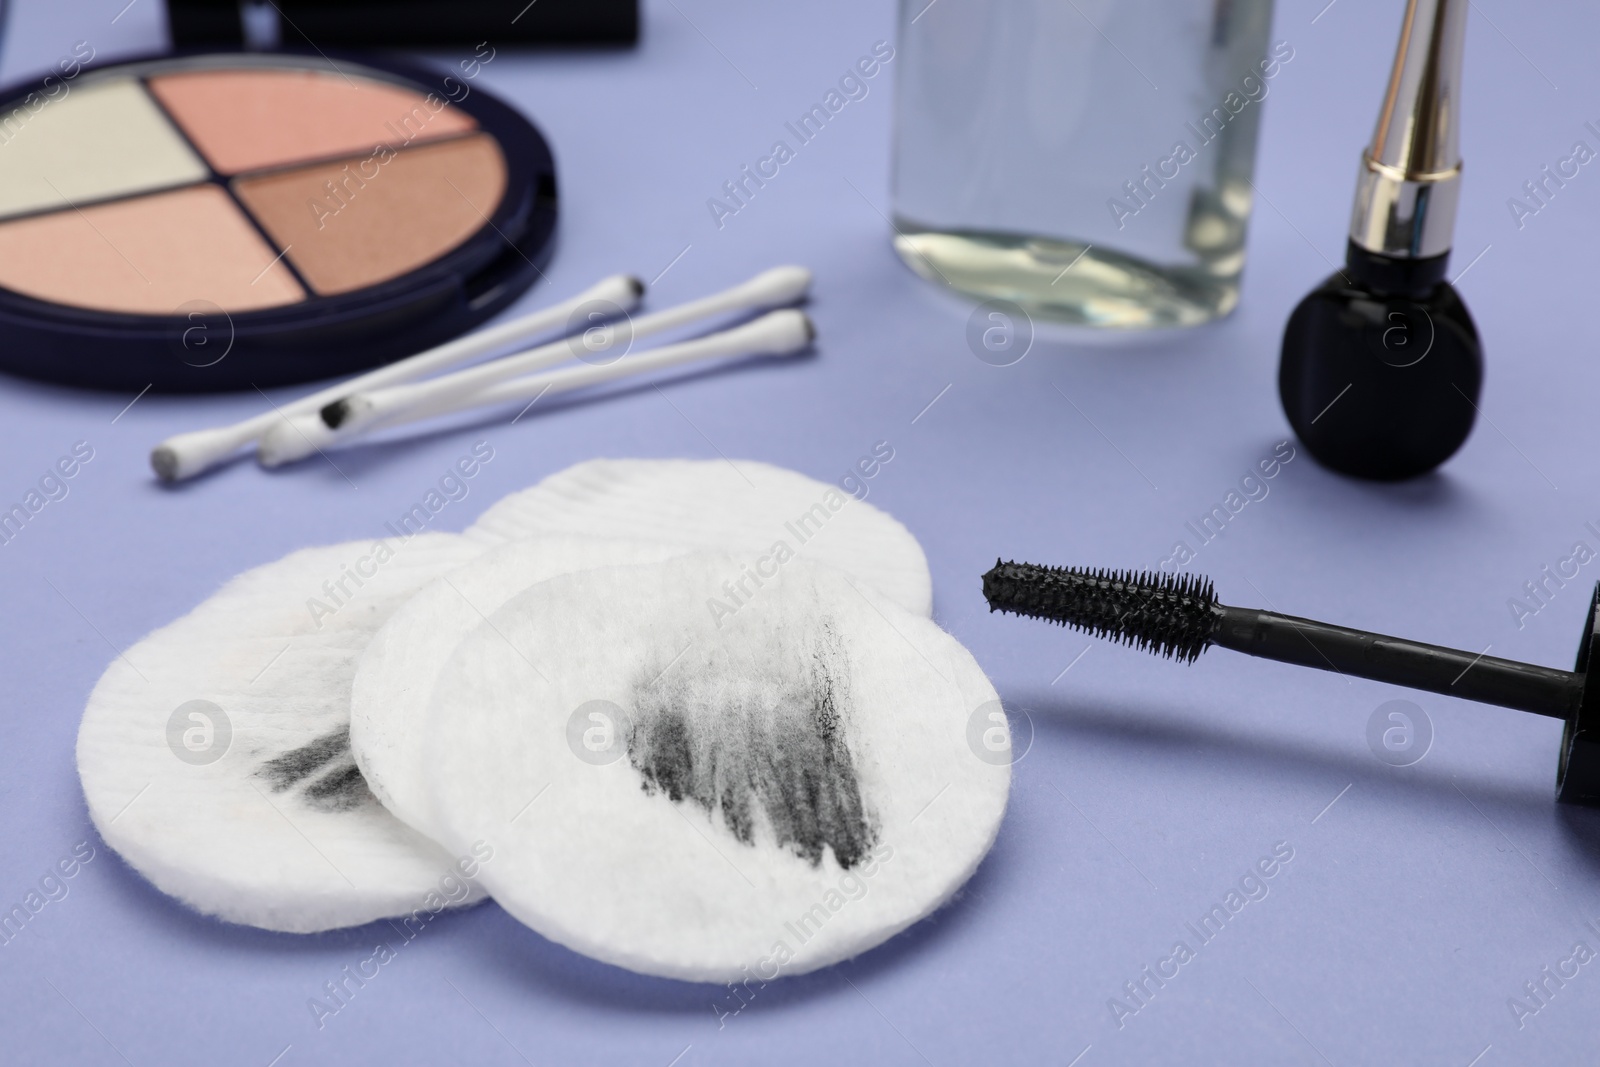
<point>1414,906</point>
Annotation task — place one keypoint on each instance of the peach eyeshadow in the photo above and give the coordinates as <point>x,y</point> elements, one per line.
<point>150,255</point>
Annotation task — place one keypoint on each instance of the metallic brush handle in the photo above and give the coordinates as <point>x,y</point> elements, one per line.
<point>1410,178</point>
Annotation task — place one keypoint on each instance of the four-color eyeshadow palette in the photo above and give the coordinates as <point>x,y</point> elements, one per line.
<point>229,220</point>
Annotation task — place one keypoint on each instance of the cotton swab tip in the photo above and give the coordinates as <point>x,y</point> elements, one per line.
<point>292,439</point>
<point>346,414</point>
<point>164,461</point>
<point>780,285</point>
<point>185,455</point>
<point>781,333</point>
<point>334,414</point>
<point>624,290</point>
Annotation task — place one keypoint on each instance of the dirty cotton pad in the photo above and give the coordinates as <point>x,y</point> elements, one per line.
<point>761,514</point>
<point>215,753</point>
<point>395,676</point>
<point>712,795</point>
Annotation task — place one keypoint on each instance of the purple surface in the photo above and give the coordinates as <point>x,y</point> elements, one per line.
<point>1415,905</point>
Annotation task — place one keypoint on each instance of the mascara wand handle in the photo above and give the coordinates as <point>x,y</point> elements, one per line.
<point>1448,671</point>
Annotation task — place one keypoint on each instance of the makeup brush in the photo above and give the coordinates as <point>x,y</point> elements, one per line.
<point>777,333</point>
<point>1178,616</point>
<point>770,288</point>
<point>188,454</point>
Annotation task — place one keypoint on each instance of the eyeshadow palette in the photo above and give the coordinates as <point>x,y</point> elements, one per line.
<point>229,220</point>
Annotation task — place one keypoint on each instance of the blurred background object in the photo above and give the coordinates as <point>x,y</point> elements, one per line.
<point>415,23</point>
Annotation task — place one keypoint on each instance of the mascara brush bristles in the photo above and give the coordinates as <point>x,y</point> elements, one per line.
<point>1171,615</point>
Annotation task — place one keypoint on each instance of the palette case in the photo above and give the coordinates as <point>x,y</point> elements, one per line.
<point>388,207</point>
<point>412,23</point>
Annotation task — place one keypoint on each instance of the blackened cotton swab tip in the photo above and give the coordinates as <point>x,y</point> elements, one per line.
<point>1179,616</point>
<point>188,454</point>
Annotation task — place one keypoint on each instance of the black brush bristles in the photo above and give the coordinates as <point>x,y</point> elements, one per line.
<point>1172,615</point>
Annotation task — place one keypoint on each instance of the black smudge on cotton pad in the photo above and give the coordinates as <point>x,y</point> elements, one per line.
<point>340,788</point>
<point>752,741</point>
<point>299,763</point>
<point>264,825</point>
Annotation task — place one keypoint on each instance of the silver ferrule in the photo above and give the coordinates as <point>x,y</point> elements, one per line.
<point>1410,177</point>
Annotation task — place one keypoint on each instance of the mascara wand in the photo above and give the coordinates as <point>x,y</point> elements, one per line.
<point>1178,616</point>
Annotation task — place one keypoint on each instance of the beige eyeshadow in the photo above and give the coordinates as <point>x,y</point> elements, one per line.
<point>245,120</point>
<point>147,256</point>
<point>92,142</point>
<point>355,223</point>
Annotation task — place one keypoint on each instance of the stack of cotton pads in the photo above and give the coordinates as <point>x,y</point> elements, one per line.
<point>690,718</point>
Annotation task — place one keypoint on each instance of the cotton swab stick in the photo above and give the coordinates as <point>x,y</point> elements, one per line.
<point>188,454</point>
<point>771,288</point>
<point>777,333</point>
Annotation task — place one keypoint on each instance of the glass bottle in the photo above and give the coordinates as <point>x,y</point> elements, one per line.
<point>1089,160</point>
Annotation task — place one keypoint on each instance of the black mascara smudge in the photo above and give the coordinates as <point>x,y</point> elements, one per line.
<point>780,751</point>
<point>285,770</point>
<point>341,789</point>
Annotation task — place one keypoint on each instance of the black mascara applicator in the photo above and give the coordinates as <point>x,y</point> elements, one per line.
<point>1179,617</point>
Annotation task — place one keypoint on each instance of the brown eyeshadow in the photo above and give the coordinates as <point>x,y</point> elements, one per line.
<point>243,120</point>
<point>354,223</point>
<point>149,255</point>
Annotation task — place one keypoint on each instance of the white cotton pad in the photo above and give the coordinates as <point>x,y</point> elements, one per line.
<point>396,673</point>
<point>760,514</point>
<point>723,797</point>
<point>215,753</point>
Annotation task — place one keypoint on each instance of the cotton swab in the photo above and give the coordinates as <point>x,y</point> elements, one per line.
<point>771,288</point>
<point>300,434</point>
<point>188,454</point>
<point>777,333</point>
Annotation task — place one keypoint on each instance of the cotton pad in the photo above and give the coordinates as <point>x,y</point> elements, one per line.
<point>759,513</point>
<point>396,672</point>
<point>713,792</point>
<point>215,753</point>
